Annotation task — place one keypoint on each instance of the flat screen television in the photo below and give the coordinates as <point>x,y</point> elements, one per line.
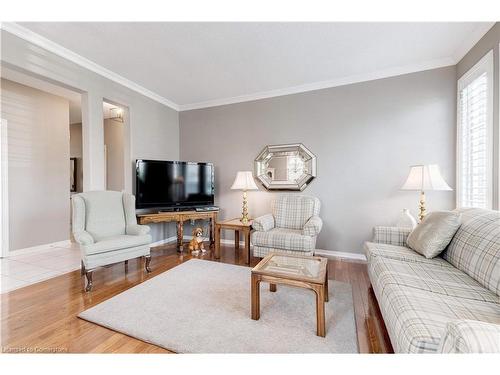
<point>173,184</point>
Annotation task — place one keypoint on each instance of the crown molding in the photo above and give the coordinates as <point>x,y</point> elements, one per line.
<point>471,40</point>
<point>385,73</point>
<point>59,50</point>
<point>40,41</point>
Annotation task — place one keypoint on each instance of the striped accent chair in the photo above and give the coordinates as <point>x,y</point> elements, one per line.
<point>447,304</point>
<point>292,227</point>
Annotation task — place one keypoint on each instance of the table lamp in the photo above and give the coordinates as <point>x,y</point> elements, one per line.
<point>425,178</point>
<point>244,181</point>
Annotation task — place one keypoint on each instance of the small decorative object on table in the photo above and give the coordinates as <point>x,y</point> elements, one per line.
<point>196,243</point>
<point>406,220</point>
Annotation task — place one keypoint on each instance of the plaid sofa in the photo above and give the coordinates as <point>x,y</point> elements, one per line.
<point>291,228</point>
<point>448,304</point>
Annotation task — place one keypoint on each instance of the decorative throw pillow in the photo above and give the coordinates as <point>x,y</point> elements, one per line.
<point>434,233</point>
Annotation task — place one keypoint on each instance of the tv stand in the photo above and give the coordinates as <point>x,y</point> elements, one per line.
<point>180,217</point>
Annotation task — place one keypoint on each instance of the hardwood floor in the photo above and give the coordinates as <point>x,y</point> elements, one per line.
<point>43,317</point>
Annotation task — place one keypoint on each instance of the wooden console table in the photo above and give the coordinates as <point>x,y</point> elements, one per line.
<point>180,217</point>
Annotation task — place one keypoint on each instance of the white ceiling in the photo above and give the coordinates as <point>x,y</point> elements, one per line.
<point>195,65</point>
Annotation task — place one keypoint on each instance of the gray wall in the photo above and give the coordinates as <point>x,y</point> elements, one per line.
<point>38,157</point>
<point>113,139</point>
<point>488,42</point>
<point>154,127</point>
<point>364,135</point>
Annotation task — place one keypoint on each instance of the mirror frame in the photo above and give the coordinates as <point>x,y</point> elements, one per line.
<point>268,152</point>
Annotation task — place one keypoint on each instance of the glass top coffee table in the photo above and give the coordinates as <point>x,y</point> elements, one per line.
<point>295,270</point>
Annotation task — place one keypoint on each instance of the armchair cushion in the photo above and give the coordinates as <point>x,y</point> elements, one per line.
<point>118,242</point>
<point>287,239</point>
<point>313,226</point>
<point>137,230</point>
<point>104,213</point>
<point>470,336</point>
<point>391,235</point>
<point>263,223</point>
<point>293,211</point>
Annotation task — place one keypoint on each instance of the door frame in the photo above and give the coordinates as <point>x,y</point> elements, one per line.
<point>4,189</point>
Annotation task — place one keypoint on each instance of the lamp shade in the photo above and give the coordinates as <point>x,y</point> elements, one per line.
<point>425,178</point>
<point>244,181</point>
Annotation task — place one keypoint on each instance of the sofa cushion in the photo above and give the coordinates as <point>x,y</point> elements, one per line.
<point>434,233</point>
<point>116,243</point>
<point>439,278</point>
<point>292,211</point>
<point>373,249</point>
<point>417,300</point>
<point>475,248</point>
<point>281,238</point>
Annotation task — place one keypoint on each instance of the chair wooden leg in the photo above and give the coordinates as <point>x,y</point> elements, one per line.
<point>148,261</point>
<point>82,269</point>
<point>88,274</point>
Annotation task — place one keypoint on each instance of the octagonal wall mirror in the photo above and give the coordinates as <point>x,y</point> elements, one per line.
<point>285,167</point>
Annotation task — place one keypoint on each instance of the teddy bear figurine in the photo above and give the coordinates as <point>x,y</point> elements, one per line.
<point>196,244</point>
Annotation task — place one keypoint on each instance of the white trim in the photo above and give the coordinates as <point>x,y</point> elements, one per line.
<point>53,47</point>
<point>59,50</point>
<point>497,147</point>
<point>385,73</point>
<point>320,252</point>
<point>40,248</point>
<point>163,242</point>
<point>339,254</point>
<point>172,239</point>
<point>485,64</point>
<point>471,40</point>
<point>4,189</point>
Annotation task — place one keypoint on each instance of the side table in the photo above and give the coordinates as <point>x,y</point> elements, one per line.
<point>237,226</point>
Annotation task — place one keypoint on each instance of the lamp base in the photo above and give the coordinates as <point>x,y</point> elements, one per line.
<point>421,206</point>
<point>244,219</point>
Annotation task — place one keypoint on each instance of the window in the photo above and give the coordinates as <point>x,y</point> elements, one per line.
<point>475,135</point>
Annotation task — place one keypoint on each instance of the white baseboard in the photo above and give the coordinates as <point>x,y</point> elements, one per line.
<point>339,254</point>
<point>188,238</point>
<point>40,248</point>
<point>320,252</point>
<point>164,242</point>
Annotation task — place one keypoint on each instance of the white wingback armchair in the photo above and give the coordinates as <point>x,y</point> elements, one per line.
<point>105,226</point>
<point>292,227</point>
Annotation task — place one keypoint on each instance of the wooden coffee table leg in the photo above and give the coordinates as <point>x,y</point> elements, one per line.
<point>217,241</point>
<point>272,287</point>
<point>255,297</point>
<point>326,285</point>
<point>320,310</point>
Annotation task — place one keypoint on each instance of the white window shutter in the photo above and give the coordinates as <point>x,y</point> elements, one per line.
<point>475,135</point>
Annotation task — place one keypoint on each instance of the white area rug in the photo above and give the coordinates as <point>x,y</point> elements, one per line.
<point>204,307</point>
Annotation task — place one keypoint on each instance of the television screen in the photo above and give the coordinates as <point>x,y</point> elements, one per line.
<point>167,184</point>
